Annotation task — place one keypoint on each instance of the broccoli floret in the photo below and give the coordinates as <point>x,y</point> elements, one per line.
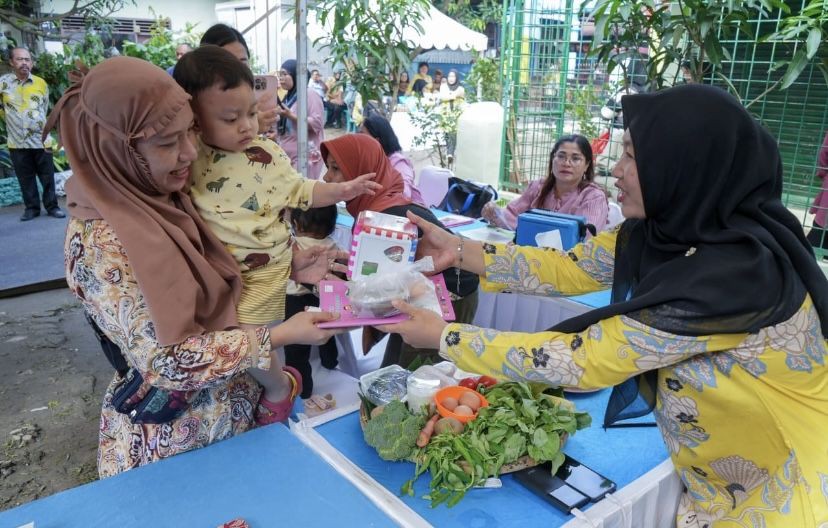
<point>394,432</point>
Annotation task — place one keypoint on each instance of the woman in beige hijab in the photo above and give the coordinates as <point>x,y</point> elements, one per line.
<point>155,282</point>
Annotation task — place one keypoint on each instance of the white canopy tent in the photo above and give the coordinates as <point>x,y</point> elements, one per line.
<point>441,32</point>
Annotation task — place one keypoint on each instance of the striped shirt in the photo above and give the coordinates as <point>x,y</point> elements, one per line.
<point>25,104</point>
<point>589,202</point>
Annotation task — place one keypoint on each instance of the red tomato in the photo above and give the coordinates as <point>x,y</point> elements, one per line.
<point>469,383</point>
<point>486,381</point>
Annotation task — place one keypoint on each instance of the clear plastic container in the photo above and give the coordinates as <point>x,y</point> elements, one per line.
<point>420,392</point>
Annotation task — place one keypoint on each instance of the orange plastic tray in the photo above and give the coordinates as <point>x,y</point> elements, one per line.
<point>455,392</point>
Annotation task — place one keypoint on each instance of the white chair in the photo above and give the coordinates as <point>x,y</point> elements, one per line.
<point>433,184</point>
<point>614,217</point>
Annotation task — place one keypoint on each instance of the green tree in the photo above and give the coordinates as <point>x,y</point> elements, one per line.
<point>485,71</point>
<point>159,49</point>
<point>368,38</point>
<point>809,26</point>
<point>476,14</point>
<point>684,32</point>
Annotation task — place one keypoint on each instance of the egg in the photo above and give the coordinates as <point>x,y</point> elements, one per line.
<point>449,403</point>
<point>463,410</point>
<point>470,400</point>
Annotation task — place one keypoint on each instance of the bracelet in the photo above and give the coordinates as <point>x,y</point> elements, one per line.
<point>457,268</point>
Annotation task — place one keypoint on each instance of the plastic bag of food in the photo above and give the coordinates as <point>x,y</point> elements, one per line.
<point>371,296</point>
<point>385,385</point>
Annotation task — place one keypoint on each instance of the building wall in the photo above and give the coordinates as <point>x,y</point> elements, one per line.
<point>273,40</point>
<point>180,12</point>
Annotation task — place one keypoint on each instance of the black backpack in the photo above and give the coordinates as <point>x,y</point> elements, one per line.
<point>466,198</point>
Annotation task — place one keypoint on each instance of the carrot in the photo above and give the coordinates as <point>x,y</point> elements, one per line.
<point>428,430</point>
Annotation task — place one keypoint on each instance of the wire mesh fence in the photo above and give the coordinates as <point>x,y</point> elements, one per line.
<point>552,87</point>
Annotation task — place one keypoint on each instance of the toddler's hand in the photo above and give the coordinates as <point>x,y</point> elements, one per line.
<point>360,185</point>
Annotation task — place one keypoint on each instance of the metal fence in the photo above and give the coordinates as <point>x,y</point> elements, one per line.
<point>551,88</point>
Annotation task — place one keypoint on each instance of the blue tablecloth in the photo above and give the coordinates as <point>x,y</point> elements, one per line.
<point>266,476</point>
<point>622,455</point>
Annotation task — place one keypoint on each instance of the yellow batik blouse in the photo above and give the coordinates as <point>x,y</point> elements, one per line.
<point>243,197</point>
<point>25,105</point>
<point>744,416</point>
<point>212,366</point>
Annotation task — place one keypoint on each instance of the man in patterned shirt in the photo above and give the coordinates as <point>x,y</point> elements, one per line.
<point>25,103</point>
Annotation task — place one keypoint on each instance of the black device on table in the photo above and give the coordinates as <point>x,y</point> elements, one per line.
<point>572,486</point>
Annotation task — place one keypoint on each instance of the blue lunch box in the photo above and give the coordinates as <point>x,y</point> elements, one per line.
<point>534,221</point>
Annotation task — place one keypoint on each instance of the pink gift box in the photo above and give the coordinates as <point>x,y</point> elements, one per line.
<point>382,243</point>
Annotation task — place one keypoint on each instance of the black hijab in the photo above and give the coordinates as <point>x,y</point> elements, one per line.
<point>290,97</point>
<point>718,252</point>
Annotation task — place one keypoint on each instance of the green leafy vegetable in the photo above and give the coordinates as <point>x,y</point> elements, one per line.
<point>522,419</point>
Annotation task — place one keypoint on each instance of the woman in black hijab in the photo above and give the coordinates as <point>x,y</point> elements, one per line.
<point>286,132</point>
<point>718,317</point>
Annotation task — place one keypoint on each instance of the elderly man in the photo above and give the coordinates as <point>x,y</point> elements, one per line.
<point>25,101</point>
<point>180,50</point>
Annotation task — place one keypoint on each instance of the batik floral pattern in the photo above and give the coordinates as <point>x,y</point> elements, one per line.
<point>658,349</point>
<point>598,262</point>
<point>213,364</point>
<point>550,363</point>
<point>799,338</point>
<point>517,272</point>
<point>678,419</point>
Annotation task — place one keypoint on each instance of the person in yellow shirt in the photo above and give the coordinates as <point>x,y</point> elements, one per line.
<point>25,103</point>
<point>718,317</point>
<point>422,74</point>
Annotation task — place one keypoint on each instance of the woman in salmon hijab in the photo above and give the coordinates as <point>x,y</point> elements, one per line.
<point>354,154</point>
<point>159,288</point>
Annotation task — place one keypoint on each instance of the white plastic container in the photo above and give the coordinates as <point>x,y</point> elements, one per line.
<point>420,392</point>
<point>479,137</point>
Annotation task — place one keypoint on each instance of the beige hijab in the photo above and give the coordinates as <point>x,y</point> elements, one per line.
<point>190,282</point>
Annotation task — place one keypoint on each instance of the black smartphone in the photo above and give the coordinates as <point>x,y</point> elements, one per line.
<point>551,488</point>
<point>584,479</point>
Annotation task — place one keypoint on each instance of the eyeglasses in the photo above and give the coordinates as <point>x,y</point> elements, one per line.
<point>575,159</point>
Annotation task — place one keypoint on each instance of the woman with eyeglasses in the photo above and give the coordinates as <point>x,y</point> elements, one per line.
<point>287,133</point>
<point>568,188</point>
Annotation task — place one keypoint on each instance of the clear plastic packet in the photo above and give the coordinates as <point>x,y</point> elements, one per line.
<point>371,296</point>
<point>385,385</point>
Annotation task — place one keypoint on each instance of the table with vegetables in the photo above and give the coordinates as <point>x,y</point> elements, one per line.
<point>446,443</point>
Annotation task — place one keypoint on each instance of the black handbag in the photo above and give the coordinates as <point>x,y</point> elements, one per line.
<point>143,403</point>
<point>466,198</point>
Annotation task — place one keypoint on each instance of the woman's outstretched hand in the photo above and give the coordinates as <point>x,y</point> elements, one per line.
<point>489,212</point>
<point>423,330</point>
<point>360,185</point>
<point>309,266</point>
<point>301,329</point>
<point>436,243</point>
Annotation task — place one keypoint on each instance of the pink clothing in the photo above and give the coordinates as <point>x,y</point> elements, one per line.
<point>404,166</point>
<point>820,207</point>
<point>590,202</point>
<point>316,135</point>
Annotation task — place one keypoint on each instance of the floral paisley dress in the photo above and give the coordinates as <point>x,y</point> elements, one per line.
<point>211,365</point>
<point>743,416</point>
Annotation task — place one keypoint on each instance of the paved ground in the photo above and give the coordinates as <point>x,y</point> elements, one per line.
<point>32,251</point>
<point>53,380</point>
